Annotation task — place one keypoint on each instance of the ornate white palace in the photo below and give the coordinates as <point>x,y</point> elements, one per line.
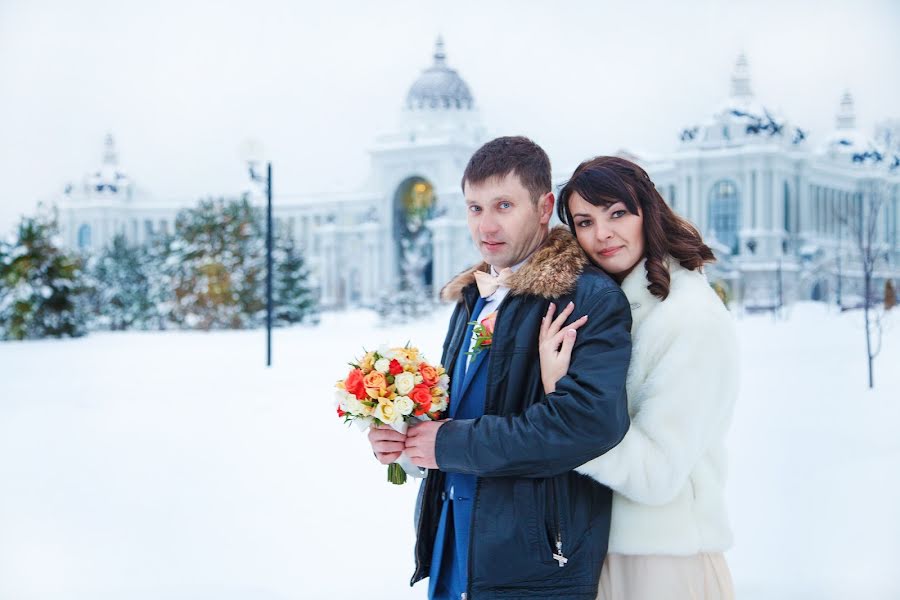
<point>772,208</point>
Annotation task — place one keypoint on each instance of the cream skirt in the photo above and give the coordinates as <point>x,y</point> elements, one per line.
<point>657,577</point>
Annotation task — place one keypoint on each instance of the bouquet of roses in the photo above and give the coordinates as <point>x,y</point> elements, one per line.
<point>396,387</point>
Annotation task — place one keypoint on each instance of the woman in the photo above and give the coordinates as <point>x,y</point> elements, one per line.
<point>669,526</point>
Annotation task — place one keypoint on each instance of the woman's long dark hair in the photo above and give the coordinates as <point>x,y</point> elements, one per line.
<point>605,180</point>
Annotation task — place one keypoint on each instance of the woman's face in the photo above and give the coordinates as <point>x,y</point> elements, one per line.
<point>611,236</point>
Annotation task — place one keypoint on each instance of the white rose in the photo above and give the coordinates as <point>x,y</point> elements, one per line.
<point>385,352</point>
<point>444,381</point>
<point>358,408</point>
<point>383,365</point>
<point>354,406</point>
<point>341,398</point>
<point>404,405</point>
<point>387,413</point>
<point>405,382</point>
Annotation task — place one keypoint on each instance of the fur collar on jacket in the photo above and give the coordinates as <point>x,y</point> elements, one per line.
<point>552,271</point>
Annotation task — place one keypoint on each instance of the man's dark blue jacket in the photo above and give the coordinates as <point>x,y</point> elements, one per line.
<point>524,449</point>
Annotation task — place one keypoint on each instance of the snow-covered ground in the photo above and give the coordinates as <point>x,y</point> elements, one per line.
<point>148,466</point>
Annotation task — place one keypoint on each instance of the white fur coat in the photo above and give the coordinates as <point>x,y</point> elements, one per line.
<point>668,473</point>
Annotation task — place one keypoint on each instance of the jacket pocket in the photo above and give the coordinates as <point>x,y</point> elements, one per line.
<point>549,526</point>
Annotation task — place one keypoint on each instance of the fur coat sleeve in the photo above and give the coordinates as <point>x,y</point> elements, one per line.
<point>682,388</point>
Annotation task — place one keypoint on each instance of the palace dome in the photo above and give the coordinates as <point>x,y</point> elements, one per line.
<point>439,87</point>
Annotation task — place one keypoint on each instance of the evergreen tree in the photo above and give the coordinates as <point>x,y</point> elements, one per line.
<point>162,268</point>
<point>41,287</point>
<point>292,293</point>
<point>122,292</point>
<point>217,265</point>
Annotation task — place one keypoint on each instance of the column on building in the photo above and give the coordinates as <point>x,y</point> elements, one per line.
<point>690,187</point>
<point>442,257</point>
<point>801,221</point>
<point>776,212</point>
<point>373,259</point>
<point>328,267</point>
<point>759,200</point>
<point>748,206</point>
<point>890,218</point>
<point>701,206</point>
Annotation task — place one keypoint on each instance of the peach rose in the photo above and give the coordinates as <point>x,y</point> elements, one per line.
<point>429,374</point>
<point>375,383</point>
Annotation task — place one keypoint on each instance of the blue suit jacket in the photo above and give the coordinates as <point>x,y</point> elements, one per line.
<point>467,395</point>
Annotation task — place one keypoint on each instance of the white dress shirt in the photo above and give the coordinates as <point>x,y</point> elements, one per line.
<point>492,303</point>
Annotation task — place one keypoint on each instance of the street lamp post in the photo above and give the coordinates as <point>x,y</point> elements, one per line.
<point>267,180</point>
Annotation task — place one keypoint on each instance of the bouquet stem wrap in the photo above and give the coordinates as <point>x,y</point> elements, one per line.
<point>403,466</point>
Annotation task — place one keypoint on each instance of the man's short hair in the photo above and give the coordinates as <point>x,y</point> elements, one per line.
<point>513,154</point>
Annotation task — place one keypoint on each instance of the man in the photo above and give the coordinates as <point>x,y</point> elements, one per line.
<point>502,513</point>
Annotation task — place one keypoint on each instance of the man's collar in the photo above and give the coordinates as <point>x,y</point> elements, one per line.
<point>513,268</point>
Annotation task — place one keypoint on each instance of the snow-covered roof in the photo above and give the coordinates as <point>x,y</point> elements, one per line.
<point>741,119</point>
<point>848,145</point>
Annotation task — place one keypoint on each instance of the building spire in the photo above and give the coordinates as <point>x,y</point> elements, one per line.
<point>846,116</point>
<point>740,78</point>
<point>110,156</point>
<point>439,55</point>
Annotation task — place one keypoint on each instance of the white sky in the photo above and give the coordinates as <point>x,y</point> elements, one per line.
<point>182,83</point>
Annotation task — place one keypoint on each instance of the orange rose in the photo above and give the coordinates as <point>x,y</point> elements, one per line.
<point>354,384</point>
<point>429,374</point>
<point>421,395</point>
<point>374,383</point>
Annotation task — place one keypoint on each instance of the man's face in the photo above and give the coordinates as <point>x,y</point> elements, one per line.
<point>505,224</point>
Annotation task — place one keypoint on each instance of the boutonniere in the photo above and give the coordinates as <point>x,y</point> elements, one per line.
<point>484,333</point>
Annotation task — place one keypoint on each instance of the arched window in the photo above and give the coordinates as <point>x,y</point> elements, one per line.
<point>725,213</point>
<point>414,204</point>
<point>84,236</point>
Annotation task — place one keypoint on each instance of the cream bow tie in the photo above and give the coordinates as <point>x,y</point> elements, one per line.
<point>488,283</point>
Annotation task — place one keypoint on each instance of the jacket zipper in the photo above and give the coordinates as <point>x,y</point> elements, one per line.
<point>558,556</point>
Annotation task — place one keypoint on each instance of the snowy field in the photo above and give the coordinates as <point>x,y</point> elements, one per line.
<point>149,466</point>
